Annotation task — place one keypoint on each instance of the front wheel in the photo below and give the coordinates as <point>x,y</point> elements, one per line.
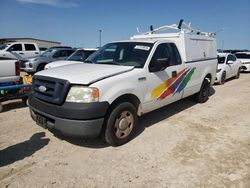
<point>121,124</point>
<point>223,78</point>
<point>237,75</point>
<point>203,94</point>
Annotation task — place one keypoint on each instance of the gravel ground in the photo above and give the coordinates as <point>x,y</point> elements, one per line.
<point>182,145</point>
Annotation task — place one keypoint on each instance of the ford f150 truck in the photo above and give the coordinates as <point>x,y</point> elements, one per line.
<point>124,80</point>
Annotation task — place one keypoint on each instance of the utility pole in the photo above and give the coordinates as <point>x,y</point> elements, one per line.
<point>100,38</point>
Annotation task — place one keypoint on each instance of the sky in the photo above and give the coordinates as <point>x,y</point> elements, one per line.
<point>77,22</point>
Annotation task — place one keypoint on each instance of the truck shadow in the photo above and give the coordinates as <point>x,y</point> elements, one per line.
<point>24,149</point>
<point>13,105</point>
<point>165,112</point>
<point>145,121</point>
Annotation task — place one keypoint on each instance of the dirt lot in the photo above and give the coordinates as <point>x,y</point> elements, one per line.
<point>182,145</point>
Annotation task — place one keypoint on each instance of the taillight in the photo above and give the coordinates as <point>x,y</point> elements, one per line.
<point>17,64</point>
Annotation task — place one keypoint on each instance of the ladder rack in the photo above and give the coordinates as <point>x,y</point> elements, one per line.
<point>188,29</point>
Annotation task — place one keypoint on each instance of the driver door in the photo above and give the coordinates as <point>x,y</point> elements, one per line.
<point>164,85</point>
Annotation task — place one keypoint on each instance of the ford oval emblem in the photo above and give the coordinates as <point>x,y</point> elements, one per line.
<point>42,88</point>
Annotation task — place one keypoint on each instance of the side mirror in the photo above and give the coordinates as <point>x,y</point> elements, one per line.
<point>159,65</point>
<point>230,62</point>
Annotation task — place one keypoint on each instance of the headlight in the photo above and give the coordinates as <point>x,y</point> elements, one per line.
<point>218,70</point>
<point>83,94</point>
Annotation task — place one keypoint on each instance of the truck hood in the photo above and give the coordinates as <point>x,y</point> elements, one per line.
<point>84,73</point>
<point>61,63</point>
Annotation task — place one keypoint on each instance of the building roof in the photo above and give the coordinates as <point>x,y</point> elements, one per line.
<point>21,38</point>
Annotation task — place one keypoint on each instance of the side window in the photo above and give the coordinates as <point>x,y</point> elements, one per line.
<point>69,52</point>
<point>60,53</point>
<point>161,53</point>
<point>167,51</point>
<point>30,47</point>
<point>233,57</point>
<point>16,47</point>
<point>176,60</point>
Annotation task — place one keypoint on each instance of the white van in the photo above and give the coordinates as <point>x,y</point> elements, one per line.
<point>18,50</point>
<point>124,80</point>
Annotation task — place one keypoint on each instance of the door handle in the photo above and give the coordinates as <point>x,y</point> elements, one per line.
<point>36,53</point>
<point>174,74</point>
<point>21,53</point>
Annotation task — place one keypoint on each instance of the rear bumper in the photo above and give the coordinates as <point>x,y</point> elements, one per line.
<point>70,119</point>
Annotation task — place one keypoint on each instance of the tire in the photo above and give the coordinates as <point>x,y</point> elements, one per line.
<point>25,101</point>
<point>1,107</point>
<point>237,75</point>
<point>203,95</point>
<point>40,67</point>
<point>223,78</point>
<point>120,124</point>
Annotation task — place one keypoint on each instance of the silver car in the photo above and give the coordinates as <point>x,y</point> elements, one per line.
<point>38,63</point>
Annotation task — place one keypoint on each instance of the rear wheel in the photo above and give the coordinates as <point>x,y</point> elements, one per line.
<point>223,78</point>
<point>121,124</point>
<point>203,94</point>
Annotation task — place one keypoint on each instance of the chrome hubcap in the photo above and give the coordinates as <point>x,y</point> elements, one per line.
<point>124,124</point>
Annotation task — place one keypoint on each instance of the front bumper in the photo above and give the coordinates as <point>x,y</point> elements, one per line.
<point>71,119</point>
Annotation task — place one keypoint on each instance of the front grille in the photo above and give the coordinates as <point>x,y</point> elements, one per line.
<point>49,89</point>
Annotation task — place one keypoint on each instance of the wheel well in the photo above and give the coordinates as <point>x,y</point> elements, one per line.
<point>209,77</point>
<point>126,98</point>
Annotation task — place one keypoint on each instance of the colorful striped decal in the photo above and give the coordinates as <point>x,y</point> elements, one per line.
<point>173,85</point>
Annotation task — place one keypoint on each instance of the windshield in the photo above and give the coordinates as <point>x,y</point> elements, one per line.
<point>243,56</point>
<point>221,60</point>
<point>78,55</point>
<point>122,53</point>
<point>47,53</point>
<point>2,47</point>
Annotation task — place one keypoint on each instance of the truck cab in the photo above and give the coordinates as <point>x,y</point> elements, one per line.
<point>124,80</point>
<point>19,50</point>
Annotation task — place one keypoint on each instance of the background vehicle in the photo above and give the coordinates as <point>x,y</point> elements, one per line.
<point>9,71</point>
<point>42,49</point>
<point>228,66</point>
<point>244,57</point>
<point>124,80</point>
<point>77,57</point>
<point>12,85</point>
<point>38,63</point>
<point>19,50</point>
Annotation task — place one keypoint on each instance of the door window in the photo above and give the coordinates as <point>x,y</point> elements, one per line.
<point>166,51</point>
<point>30,47</point>
<point>16,47</point>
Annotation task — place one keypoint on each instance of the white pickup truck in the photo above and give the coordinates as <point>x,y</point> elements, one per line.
<point>124,80</point>
<point>9,71</point>
<point>19,50</point>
